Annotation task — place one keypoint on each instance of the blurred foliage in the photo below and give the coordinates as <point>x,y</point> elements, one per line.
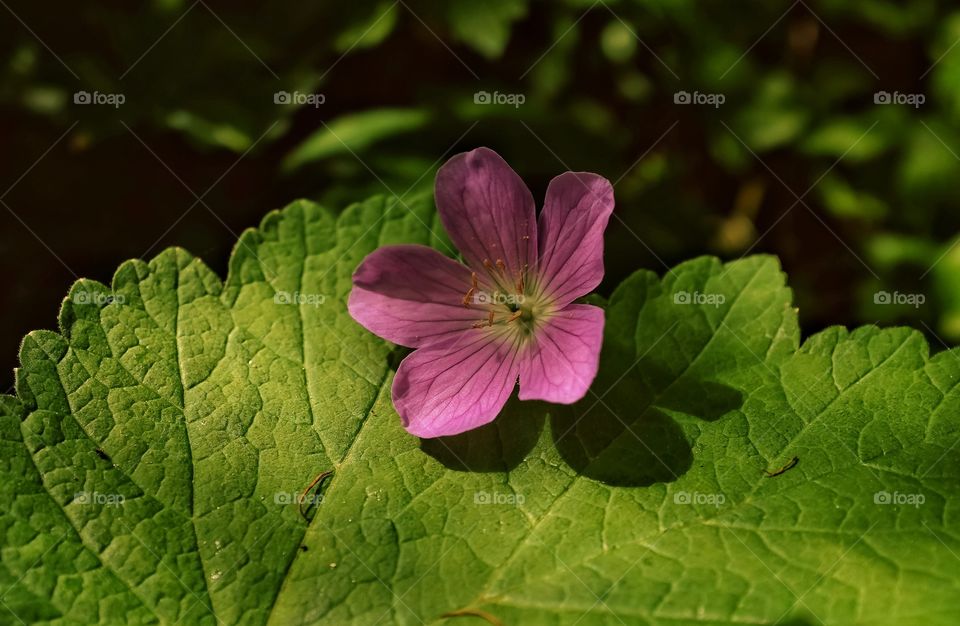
<point>801,159</point>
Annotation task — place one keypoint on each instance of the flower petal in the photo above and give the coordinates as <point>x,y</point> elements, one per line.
<point>487,210</point>
<point>449,388</point>
<point>574,216</point>
<point>561,362</point>
<point>411,295</point>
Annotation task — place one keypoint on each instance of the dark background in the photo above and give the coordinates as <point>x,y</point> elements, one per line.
<point>86,186</point>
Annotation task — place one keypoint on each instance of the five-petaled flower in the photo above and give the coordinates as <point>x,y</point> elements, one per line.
<point>508,313</point>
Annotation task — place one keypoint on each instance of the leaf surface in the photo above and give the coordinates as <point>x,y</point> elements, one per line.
<point>718,472</point>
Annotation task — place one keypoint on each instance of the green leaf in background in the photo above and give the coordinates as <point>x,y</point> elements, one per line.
<point>485,26</point>
<point>842,200</point>
<point>888,250</point>
<point>944,268</point>
<point>945,74</point>
<point>370,31</point>
<point>719,472</point>
<point>853,139</point>
<point>209,133</point>
<point>928,168</point>
<point>355,132</point>
<point>617,41</point>
<point>895,19</point>
<point>773,117</point>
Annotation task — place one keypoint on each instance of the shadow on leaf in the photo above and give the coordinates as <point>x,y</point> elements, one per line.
<point>514,434</point>
<point>620,433</point>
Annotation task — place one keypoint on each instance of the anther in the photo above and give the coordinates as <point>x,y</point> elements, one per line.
<point>466,298</point>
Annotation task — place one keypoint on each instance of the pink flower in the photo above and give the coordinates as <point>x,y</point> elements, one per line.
<point>508,313</point>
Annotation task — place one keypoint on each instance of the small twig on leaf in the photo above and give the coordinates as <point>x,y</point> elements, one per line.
<point>786,467</point>
<point>313,484</point>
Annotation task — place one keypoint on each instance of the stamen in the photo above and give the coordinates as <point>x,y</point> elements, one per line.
<point>486,322</point>
<point>497,273</point>
<point>474,287</point>
<point>491,319</point>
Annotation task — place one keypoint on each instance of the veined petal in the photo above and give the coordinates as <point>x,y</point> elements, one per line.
<point>575,214</point>
<point>487,211</point>
<point>560,362</point>
<point>455,386</point>
<point>411,295</point>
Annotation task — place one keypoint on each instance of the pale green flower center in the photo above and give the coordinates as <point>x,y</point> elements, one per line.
<point>513,306</point>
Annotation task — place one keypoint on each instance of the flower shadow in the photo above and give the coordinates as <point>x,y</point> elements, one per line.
<point>621,433</point>
<point>624,434</point>
<point>514,434</point>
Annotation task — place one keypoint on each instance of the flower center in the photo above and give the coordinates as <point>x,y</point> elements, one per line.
<point>511,306</point>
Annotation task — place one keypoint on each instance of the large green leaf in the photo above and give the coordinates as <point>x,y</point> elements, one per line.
<point>153,455</point>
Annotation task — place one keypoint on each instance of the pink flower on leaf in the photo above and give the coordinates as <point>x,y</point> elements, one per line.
<point>507,314</point>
